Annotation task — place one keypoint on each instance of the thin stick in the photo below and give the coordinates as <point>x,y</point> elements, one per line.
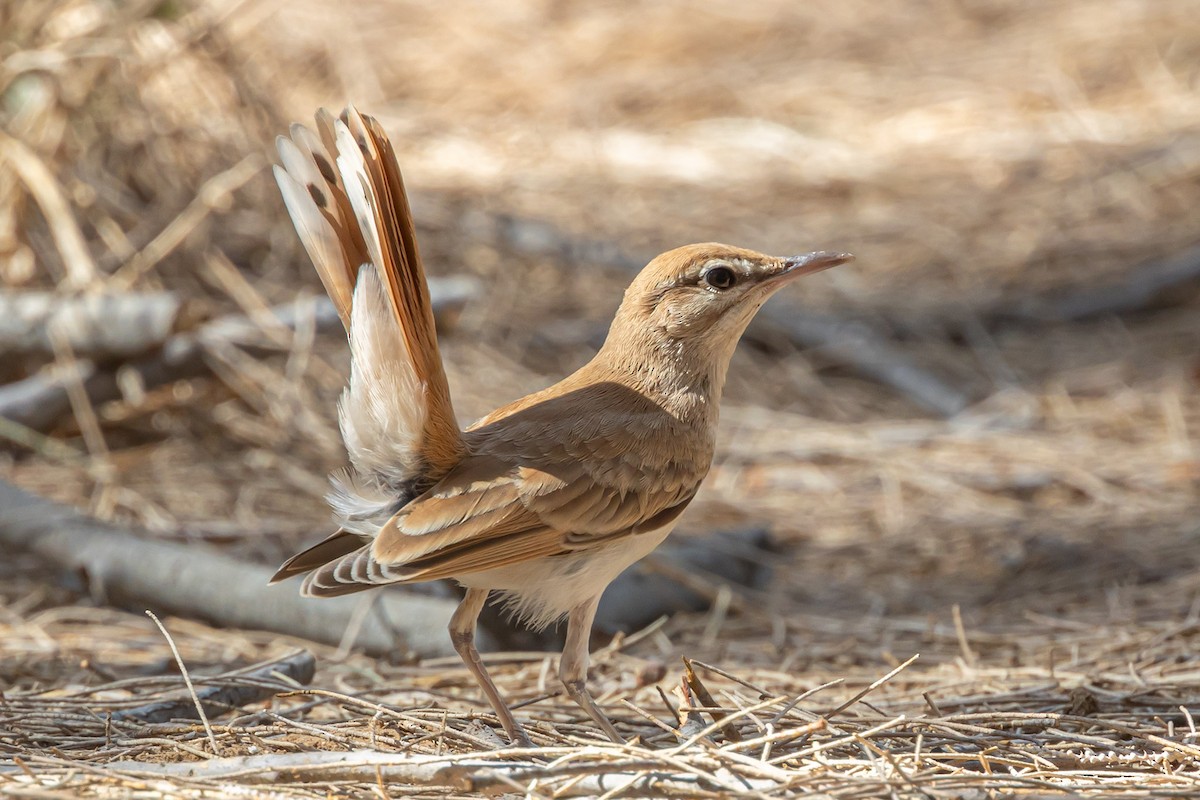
<point>646,715</point>
<point>701,691</point>
<point>212,194</point>
<point>68,239</point>
<point>874,685</point>
<point>723,723</point>
<point>960,631</point>
<point>762,693</point>
<point>81,404</point>
<point>46,446</point>
<point>212,739</point>
<point>798,699</point>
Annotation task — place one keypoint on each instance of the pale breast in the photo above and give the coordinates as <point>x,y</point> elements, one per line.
<point>540,591</point>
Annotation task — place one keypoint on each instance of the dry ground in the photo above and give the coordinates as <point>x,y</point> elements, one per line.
<point>982,158</point>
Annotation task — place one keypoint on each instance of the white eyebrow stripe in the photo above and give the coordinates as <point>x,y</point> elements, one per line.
<point>742,265</point>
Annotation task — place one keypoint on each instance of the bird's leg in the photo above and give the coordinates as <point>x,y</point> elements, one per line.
<point>462,634</point>
<point>573,666</point>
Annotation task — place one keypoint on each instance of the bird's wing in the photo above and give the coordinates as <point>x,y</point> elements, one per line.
<point>343,189</point>
<point>599,460</point>
<point>330,548</point>
<point>490,513</point>
<point>576,466</point>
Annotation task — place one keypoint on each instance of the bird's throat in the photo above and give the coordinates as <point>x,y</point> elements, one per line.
<point>685,384</point>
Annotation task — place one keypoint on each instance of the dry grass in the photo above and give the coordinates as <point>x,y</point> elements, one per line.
<point>1039,704</point>
<point>1038,551</point>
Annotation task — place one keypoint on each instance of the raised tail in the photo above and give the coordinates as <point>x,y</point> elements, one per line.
<point>344,192</point>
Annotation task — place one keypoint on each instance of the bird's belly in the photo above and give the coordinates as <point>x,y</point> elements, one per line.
<point>539,591</point>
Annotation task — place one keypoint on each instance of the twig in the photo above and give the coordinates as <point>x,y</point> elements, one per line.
<point>33,172</point>
<point>800,698</point>
<point>39,403</point>
<point>187,679</point>
<point>761,692</point>
<point>45,446</point>
<point>701,691</point>
<point>212,194</point>
<point>724,721</point>
<point>832,743</point>
<point>775,737</point>
<point>646,715</point>
<point>81,404</point>
<point>232,690</point>
<point>872,687</point>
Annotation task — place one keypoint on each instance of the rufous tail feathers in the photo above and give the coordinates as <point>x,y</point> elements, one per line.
<point>344,192</point>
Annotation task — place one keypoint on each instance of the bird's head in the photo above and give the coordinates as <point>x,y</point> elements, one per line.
<point>706,294</point>
<point>683,314</point>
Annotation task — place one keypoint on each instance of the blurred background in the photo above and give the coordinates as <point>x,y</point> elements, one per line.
<point>994,406</point>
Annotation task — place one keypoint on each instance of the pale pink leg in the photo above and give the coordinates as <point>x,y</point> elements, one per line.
<point>573,666</point>
<point>462,634</point>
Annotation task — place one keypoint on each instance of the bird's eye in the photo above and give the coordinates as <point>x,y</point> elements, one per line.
<point>720,277</point>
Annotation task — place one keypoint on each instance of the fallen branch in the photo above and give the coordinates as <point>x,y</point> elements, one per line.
<point>95,325</point>
<point>230,691</point>
<point>645,777</point>
<point>39,403</point>
<point>1141,288</point>
<point>856,346</point>
<point>134,571</point>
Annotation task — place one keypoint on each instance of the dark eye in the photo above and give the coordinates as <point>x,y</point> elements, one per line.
<point>720,277</point>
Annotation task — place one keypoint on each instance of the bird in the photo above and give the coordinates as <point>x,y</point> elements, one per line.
<point>545,500</point>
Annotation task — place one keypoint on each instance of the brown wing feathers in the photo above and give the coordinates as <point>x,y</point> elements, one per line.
<point>323,552</point>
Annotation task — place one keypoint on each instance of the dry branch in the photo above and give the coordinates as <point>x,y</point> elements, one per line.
<point>40,399</point>
<point>95,325</point>
<point>135,571</point>
<point>39,402</point>
<point>856,346</point>
<point>647,777</point>
<point>1139,289</point>
<point>230,691</point>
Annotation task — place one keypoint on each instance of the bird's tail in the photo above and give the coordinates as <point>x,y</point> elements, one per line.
<point>343,189</point>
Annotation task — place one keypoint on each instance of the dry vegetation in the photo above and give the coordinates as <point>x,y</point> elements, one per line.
<point>987,161</point>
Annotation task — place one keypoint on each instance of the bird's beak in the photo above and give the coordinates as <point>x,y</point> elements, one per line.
<point>785,270</point>
<point>807,264</point>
